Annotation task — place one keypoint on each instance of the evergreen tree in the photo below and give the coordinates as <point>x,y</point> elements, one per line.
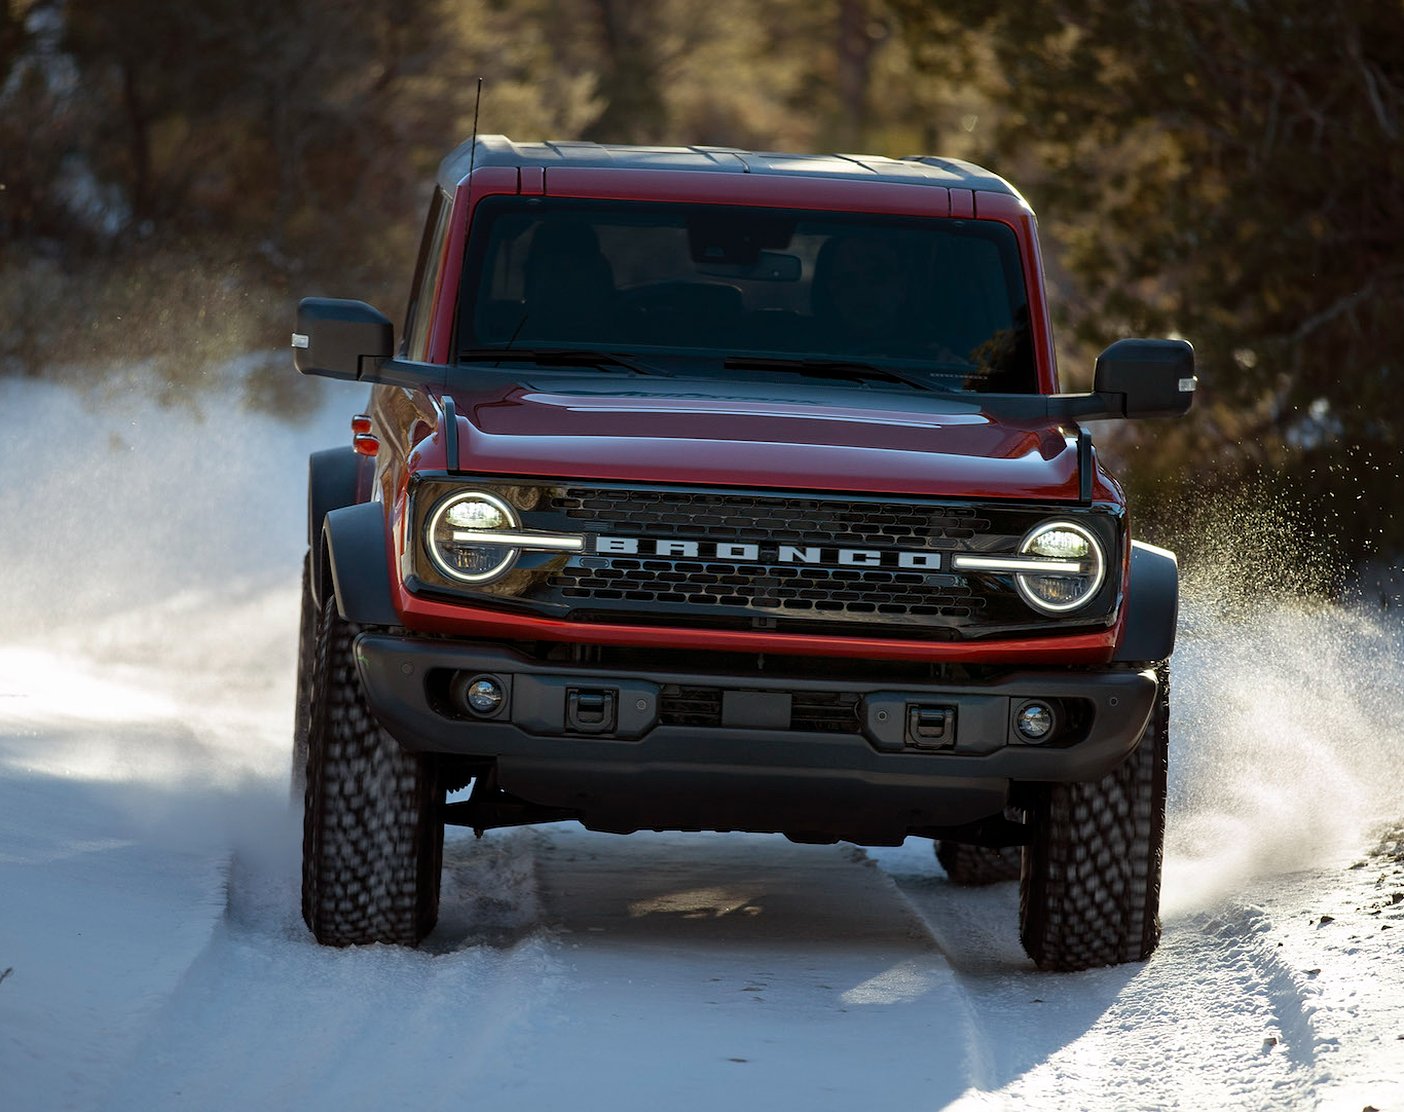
<point>1228,172</point>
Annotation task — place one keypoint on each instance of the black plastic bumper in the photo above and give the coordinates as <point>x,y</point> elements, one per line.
<point>624,750</point>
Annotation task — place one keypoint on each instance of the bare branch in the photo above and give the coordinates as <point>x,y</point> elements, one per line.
<point>1345,304</point>
<point>1371,80</point>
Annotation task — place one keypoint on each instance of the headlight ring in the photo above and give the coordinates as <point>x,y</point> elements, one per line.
<point>448,537</point>
<point>1059,592</point>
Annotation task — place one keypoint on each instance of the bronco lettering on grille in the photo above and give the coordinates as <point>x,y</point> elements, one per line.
<point>768,554</point>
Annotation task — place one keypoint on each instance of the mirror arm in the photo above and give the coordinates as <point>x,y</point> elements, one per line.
<point>403,372</point>
<point>406,373</point>
<point>1102,406</point>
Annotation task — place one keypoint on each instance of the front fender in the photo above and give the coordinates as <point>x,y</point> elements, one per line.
<point>336,477</point>
<point>1152,605</point>
<point>353,540</point>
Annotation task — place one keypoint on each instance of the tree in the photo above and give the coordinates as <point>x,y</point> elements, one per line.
<point>1227,171</point>
<point>13,37</point>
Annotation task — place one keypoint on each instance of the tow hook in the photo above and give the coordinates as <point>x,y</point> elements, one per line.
<point>930,727</point>
<point>590,710</point>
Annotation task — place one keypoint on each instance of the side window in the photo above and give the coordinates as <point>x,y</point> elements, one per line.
<point>419,316</point>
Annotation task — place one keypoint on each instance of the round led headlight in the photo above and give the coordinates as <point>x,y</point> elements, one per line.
<point>1076,567</point>
<point>464,536</point>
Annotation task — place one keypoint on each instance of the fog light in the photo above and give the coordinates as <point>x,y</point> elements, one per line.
<point>1034,721</point>
<point>484,695</point>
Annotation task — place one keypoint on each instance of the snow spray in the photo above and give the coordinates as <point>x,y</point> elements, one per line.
<point>1287,711</point>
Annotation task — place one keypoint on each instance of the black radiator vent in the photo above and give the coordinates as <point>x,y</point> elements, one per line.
<point>828,712</point>
<point>689,706</point>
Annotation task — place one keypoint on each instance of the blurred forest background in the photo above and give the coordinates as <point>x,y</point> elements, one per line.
<point>174,175</point>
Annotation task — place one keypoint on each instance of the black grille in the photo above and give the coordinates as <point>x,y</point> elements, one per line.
<point>777,590</point>
<point>826,712</point>
<point>787,589</point>
<point>689,706</point>
<point>781,519</point>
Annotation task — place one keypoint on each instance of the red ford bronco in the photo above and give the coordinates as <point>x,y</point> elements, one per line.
<point>713,490</point>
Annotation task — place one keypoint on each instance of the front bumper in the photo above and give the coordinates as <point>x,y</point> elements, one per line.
<point>662,748</point>
<point>688,749</point>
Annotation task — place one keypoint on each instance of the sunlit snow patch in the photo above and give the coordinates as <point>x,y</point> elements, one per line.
<point>909,980</point>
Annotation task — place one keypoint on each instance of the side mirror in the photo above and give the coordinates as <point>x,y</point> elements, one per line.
<point>1147,378</point>
<point>333,338</point>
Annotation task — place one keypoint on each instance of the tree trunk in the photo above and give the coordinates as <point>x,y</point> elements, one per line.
<point>138,143</point>
<point>854,54</point>
<point>634,111</point>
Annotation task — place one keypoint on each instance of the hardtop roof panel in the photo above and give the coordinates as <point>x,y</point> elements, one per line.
<point>498,150</point>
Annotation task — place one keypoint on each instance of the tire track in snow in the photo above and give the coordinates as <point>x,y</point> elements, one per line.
<point>1335,935</point>
<point>905,867</point>
<point>1238,940</point>
<point>369,1027</point>
<point>969,927</point>
<point>1214,1019</point>
<point>655,969</point>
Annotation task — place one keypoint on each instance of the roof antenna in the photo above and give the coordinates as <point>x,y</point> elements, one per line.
<point>473,150</point>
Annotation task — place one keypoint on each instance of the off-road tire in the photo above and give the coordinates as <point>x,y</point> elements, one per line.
<point>306,660</point>
<point>978,866</point>
<point>373,833</point>
<point>1089,893</point>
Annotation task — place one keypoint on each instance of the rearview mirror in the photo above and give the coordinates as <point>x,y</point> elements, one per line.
<point>1147,378</point>
<point>334,336</point>
<point>770,266</point>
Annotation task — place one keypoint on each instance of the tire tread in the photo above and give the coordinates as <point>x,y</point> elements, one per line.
<point>372,831</point>
<point>1090,886</point>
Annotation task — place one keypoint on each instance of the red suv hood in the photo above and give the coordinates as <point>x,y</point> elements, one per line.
<point>761,435</point>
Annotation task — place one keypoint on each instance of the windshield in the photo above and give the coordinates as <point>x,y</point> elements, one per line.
<point>710,283</point>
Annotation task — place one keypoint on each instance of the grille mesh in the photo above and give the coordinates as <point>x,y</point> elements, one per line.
<point>784,520</point>
<point>811,591</point>
<point>780,590</point>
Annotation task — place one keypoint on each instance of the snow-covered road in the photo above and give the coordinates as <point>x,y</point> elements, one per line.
<point>148,859</point>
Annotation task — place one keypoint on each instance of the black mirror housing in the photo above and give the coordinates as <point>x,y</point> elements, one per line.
<point>1152,378</point>
<point>334,337</point>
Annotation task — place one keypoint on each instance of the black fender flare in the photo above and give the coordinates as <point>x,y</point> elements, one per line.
<point>1152,605</point>
<point>336,477</point>
<point>353,540</point>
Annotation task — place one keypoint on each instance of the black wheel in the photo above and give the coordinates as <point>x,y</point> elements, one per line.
<point>976,866</point>
<point>1090,889</point>
<point>306,657</point>
<point>373,836</point>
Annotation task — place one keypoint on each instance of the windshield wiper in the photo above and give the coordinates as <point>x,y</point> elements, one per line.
<point>555,357</point>
<point>845,369</point>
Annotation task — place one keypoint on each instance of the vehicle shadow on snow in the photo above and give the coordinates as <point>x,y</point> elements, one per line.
<point>825,937</point>
<point>716,889</point>
<point>778,954</point>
